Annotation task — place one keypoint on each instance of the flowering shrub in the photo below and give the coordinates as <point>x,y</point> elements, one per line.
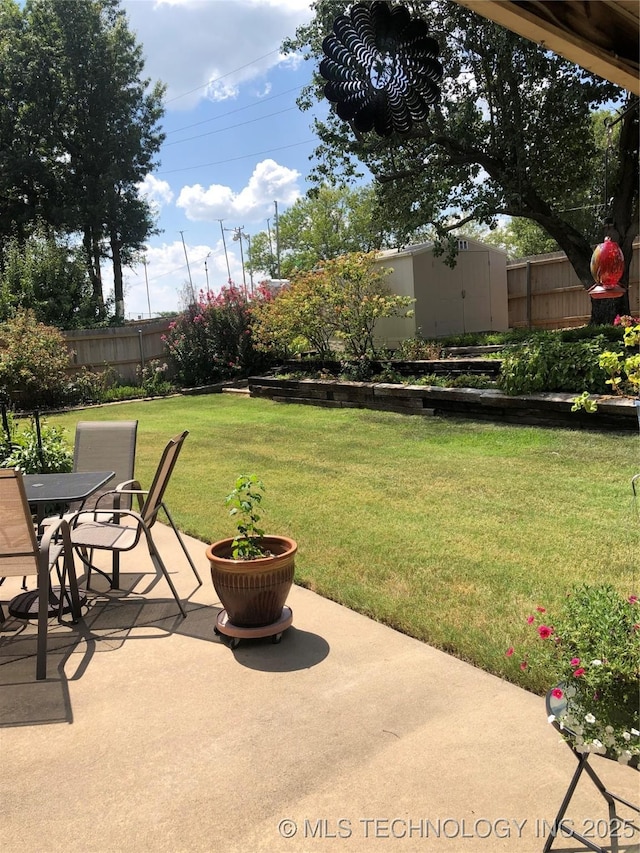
<point>341,299</point>
<point>212,340</point>
<point>33,358</point>
<point>593,649</point>
<point>153,379</point>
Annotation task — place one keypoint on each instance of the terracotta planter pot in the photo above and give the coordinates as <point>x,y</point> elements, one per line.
<point>253,592</point>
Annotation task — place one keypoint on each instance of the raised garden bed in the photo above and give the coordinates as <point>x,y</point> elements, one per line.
<point>550,409</point>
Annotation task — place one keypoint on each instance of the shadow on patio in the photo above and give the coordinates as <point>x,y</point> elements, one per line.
<point>150,734</point>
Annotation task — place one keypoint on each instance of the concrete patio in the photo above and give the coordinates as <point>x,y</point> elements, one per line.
<point>151,735</point>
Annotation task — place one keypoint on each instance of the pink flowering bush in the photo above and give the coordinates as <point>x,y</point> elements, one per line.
<point>213,339</point>
<point>593,648</point>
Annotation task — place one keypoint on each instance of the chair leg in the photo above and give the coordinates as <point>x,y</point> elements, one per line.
<point>156,559</point>
<point>43,615</point>
<point>182,545</point>
<point>69,572</point>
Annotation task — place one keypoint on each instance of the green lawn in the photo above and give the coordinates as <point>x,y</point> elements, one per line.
<point>448,530</point>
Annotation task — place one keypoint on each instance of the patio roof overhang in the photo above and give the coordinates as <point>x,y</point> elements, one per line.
<point>602,36</point>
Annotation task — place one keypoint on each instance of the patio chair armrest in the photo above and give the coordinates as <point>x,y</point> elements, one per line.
<point>131,487</point>
<point>120,489</point>
<point>73,520</point>
<point>51,531</point>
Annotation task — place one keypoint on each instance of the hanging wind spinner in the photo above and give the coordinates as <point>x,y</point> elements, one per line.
<point>381,68</point>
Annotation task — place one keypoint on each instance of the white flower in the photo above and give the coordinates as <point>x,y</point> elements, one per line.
<point>597,743</point>
<point>635,732</point>
<point>589,718</point>
<point>596,662</point>
<point>626,736</point>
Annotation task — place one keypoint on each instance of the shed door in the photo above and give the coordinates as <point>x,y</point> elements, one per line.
<point>462,295</point>
<point>476,291</point>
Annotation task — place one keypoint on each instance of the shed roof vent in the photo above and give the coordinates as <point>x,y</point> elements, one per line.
<point>463,245</point>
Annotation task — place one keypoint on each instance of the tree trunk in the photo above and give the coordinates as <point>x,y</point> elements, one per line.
<point>92,263</point>
<point>118,288</point>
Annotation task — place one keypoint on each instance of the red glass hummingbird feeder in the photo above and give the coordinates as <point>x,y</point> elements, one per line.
<point>607,267</point>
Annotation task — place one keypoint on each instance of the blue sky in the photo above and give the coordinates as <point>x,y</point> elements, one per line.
<point>235,140</point>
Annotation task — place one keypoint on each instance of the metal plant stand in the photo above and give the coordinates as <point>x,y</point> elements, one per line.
<point>616,824</point>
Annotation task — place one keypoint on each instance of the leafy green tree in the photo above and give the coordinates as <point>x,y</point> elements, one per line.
<point>341,298</point>
<point>47,276</point>
<point>521,238</point>
<point>79,129</point>
<point>327,222</point>
<point>511,136</point>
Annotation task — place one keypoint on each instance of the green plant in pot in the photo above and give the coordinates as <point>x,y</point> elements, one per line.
<point>252,573</point>
<point>592,645</point>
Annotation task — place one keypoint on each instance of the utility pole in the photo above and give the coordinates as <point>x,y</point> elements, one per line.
<point>237,237</point>
<point>146,278</point>
<point>271,269</point>
<point>226,256</point>
<point>193,293</point>
<point>250,264</point>
<point>206,272</point>
<point>277,238</point>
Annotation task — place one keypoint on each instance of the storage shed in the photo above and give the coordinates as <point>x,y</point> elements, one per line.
<point>471,297</point>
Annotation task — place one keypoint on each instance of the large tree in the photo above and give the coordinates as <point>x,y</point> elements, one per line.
<point>512,135</point>
<point>327,222</point>
<point>79,130</point>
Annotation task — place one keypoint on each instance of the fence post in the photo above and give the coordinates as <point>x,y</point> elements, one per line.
<point>141,349</point>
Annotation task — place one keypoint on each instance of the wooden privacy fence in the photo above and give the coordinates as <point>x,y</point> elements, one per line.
<point>545,293</point>
<point>123,348</point>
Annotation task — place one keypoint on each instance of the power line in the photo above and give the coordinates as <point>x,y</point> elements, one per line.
<point>237,110</point>
<point>230,127</point>
<point>234,159</point>
<point>221,77</point>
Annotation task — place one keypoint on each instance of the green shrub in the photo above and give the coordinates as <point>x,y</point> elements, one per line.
<point>549,364</point>
<point>153,379</point>
<point>470,380</point>
<point>51,456</point>
<point>418,349</point>
<point>33,358</point>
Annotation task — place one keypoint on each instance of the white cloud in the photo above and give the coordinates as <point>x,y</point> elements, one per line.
<point>207,48</point>
<point>221,90</point>
<point>253,203</point>
<point>156,191</point>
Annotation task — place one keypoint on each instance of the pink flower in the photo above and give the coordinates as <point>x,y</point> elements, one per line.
<point>575,661</point>
<point>541,609</point>
<point>633,599</point>
<point>557,693</point>
<point>544,631</point>
<point>510,651</point>
<point>530,620</point>
<point>523,665</point>
<point>578,673</point>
